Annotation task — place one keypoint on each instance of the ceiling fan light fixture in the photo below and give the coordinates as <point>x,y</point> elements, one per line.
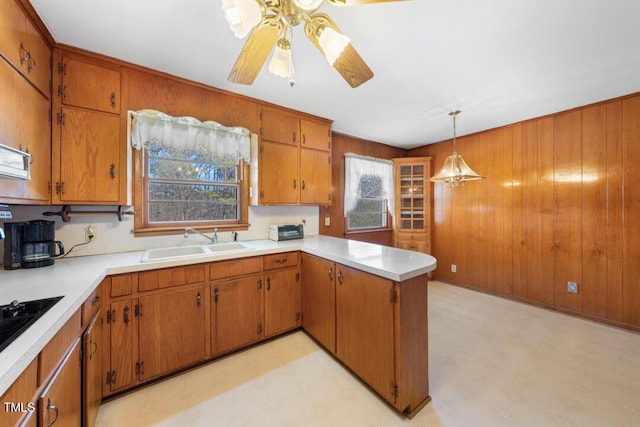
<point>455,171</point>
<point>281,63</point>
<point>308,5</point>
<point>332,43</point>
<point>241,15</point>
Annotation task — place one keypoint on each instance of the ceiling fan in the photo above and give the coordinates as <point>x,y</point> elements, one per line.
<point>269,21</point>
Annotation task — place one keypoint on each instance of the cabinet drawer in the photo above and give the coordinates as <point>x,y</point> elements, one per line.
<point>91,306</point>
<point>55,349</point>
<point>236,267</point>
<point>169,277</point>
<point>286,259</point>
<point>122,284</point>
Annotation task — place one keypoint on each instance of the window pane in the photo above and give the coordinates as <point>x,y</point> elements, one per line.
<point>191,170</point>
<point>368,213</point>
<point>176,201</point>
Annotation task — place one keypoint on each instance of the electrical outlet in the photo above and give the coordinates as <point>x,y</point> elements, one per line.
<point>327,221</point>
<point>572,287</point>
<point>90,233</point>
<point>454,268</point>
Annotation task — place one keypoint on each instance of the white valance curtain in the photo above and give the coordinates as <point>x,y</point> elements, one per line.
<point>357,166</point>
<point>187,134</point>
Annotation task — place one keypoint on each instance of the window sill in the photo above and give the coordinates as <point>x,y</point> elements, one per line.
<point>166,231</point>
<point>366,231</point>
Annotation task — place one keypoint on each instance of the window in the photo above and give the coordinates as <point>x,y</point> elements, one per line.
<point>191,173</point>
<point>371,207</point>
<point>190,187</point>
<point>368,192</point>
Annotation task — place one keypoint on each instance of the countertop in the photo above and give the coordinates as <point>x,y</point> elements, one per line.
<point>76,278</point>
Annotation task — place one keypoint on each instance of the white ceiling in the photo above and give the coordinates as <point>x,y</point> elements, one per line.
<point>499,61</point>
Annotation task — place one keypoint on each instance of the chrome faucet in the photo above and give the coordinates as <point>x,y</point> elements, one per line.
<point>213,239</point>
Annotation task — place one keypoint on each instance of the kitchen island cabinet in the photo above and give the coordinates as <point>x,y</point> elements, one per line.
<point>318,300</point>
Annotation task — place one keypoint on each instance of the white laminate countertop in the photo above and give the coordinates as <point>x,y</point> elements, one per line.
<point>76,278</point>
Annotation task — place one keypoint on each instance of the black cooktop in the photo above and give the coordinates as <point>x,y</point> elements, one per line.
<point>16,317</point>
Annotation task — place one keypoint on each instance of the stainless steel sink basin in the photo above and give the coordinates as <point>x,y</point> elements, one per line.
<point>180,252</point>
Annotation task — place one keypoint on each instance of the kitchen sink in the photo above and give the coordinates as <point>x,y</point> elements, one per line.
<point>224,247</point>
<point>180,252</point>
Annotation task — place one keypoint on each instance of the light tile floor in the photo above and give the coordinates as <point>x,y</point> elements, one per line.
<point>492,362</point>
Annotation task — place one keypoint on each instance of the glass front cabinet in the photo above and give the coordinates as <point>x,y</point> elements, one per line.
<point>411,220</point>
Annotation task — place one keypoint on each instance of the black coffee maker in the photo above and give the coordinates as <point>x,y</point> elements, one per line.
<point>30,244</point>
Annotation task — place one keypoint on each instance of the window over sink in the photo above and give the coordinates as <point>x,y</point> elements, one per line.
<point>190,173</point>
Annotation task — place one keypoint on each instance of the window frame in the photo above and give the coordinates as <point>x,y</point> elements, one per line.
<point>142,226</point>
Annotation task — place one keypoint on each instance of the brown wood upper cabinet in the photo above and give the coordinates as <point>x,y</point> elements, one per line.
<point>88,154</point>
<point>27,127</point>
<point>294,159</point>
<point>24,47</point>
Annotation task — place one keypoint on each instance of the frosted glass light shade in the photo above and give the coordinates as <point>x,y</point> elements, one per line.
<point>332,43</point>
<point>455,172</point>
<point>242,15</point>
<point>281,63</point>
<point>308,4</point>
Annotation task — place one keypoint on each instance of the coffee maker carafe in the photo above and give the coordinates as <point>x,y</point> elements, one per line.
<point>31,244</point>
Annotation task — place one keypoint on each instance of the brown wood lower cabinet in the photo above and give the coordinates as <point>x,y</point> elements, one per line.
<point>318,299</point>
<point>237,308</point>
<point>60,402</point>
<point>92,370</point>
<point>365,328</point>
<point>281,301</point>
<point>171,331</point>
<point>376,327</point>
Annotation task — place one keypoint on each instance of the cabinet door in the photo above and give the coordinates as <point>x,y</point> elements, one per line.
<point>89,86</point>
<point>92,370</point>
<point>318,299</point>
<point>24,46</point>
<point>35,131</point>
<point>119,347</point>
<point>315,135</point>
<point>281,301</point>
<point>236,313</point>
<point>279,126</point>
<point>315,176</point>
<point>365,328</point>
<point>88,170</point>
<point>171,331</point>
<point>60,402</point>
<point>11,84</point>
<point>279,180</point>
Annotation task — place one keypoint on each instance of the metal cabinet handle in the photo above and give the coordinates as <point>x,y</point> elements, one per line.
<point>125,315</point>
<point>198,299</point>
<point>113,100</point>
<point>268,283</point>
<point>55,409</point>
<point>340,277</point>
<point>303,184</point>
<point>112,171</point>
<point>331,274</point>
<point>295,184</point>
<point>96,300</point>
<point>294,136</point>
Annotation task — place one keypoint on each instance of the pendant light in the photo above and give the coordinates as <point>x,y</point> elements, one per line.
<point>455,171</point>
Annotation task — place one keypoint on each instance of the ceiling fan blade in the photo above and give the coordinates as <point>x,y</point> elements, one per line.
<point>349,64</point>
<point>255,51</point>
<point>357,2</point>
<point>352,67</point>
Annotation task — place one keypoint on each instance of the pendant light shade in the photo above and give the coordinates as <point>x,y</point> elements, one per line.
<point>455,171</point>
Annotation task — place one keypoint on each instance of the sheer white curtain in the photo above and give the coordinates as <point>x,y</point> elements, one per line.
<point>187,134</point>
<point>357,166</point>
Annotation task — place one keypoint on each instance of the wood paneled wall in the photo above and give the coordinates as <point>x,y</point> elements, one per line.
<point>347,144</point>
<point>561,203</point>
